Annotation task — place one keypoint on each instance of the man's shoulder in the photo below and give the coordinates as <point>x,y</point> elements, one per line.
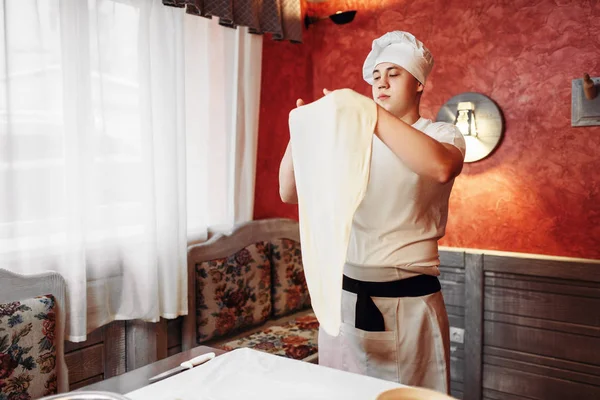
<point>446,132</point>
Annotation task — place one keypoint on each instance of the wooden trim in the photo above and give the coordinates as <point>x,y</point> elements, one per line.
<point>141,344</point>
<point>161,339</point>
<point>543,268</point>
<point>89,381</point>
<point>188,325</point>
<point>489,394</point>
<point>94,337</point>
<point>517,255</point>
<point>115,348</point>
<point>473,326</point>
<point>224,245</point>
<point>452,259</point>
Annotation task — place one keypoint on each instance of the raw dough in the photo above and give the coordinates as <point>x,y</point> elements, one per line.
<point>331,142</point>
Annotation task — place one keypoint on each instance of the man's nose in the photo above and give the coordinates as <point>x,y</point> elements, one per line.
<point>383,83</point>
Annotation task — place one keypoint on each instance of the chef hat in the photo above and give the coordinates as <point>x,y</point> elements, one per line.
<point>400,48</point>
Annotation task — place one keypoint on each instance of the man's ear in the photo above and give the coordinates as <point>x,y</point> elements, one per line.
<point>420,87</point>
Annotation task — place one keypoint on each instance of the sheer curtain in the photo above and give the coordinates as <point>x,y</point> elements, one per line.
<point>98,99</point>
<point>223,75</point>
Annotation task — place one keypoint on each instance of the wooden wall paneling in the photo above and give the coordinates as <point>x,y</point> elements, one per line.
<point>93,337</point>
<point>473,325</point>
<point>536,386</point>
<point>85,363</point>
<point>566,346</point>
<point>141,339</point>
<point>162,339</point>
<point>77,357</point>
<point>452,259</point>
<point>541,369</point>
<point>115,362</point>
<point>100,357</point>
<point>452,278</point>
<point>174,336</point>
<point>541,329</point>
<point>573,309</point>
<point>489,394</point>
<point>542,267</point>
<point>542,360</point>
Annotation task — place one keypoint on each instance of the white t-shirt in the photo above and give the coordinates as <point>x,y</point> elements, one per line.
<point>397,225</point>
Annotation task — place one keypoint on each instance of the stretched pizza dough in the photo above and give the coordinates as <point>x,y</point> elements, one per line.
<point>331,143</point>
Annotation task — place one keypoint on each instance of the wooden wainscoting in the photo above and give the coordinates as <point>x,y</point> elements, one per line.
<point>541,329</point>
<point>452,278</point>
<point>531,326</point>
<point>174,336</point>
<point>522,327</point>
<point>119,347</point>
<point>100,357</point>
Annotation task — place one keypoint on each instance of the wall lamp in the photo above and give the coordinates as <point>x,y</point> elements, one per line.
<point>339,18</point>
<point>479,120</point>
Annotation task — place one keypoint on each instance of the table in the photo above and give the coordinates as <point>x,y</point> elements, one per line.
<point>139,377</point>
<point>250,374</point>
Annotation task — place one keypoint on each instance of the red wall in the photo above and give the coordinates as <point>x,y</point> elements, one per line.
<point>540,191</point>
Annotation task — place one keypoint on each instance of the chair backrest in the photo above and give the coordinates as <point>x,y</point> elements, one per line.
<point>32,291</point>
<point>225,245</point>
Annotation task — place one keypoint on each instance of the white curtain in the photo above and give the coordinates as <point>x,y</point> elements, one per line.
<point>98,99</point>
<point>223,75</point>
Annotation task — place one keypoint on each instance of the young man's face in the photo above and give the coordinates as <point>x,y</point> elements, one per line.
<point>395,89</point>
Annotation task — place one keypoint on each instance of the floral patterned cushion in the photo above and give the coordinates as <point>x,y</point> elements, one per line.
<point>296,339</point>
<point>290,292</point>
<point>233,293</point>
<point>27,349</point>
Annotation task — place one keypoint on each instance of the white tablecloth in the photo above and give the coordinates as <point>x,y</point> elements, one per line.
<point>249,374</point>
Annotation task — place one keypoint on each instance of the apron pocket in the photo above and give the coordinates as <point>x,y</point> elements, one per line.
<point>373,354</point>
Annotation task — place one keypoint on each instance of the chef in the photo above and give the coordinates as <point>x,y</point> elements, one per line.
<point>394,320</point>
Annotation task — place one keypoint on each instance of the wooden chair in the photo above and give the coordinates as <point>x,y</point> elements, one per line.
<point>32,326</point>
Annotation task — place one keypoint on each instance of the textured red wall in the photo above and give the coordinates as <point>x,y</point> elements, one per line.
<point>540,191</point>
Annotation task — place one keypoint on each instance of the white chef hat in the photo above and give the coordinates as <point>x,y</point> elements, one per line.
<point>400,48</point>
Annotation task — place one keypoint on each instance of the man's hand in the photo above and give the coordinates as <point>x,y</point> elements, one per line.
<point>300,102</point>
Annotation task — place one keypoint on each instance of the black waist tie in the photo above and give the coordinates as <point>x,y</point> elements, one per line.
<point>368,316</point>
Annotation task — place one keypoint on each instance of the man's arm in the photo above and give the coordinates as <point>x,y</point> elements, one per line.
<point>287,180</point>
<point>421,153</point>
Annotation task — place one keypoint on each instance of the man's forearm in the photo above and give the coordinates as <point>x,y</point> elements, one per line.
<point>287,180</point>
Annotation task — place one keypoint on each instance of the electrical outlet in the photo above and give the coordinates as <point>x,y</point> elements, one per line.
<point>457,335</point>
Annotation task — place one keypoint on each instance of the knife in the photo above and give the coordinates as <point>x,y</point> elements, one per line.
<point>201,359</point>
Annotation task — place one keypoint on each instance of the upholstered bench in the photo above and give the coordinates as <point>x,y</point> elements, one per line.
<point>247,289</point>
<point>295,339</point>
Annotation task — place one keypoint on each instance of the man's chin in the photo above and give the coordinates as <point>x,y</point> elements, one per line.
<point>388,107</point>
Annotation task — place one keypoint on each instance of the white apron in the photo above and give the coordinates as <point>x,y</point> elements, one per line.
<point>413,350</point>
